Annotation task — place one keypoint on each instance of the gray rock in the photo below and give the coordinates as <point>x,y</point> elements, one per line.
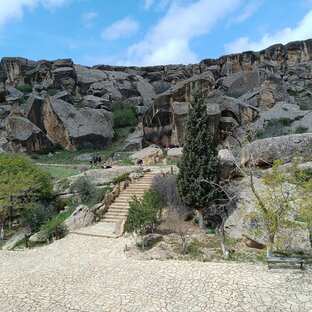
<point>81,217</point>
<point>175,152</point>
<point>264,152</point>
<point>95,102</point>
<point>149,240</point>
<point>24,136</point>
<point>148,154</point>
<point>16,238</point>
<point>134,141</point>
<point>240,222</point>
<point>68,126</point>
<point>39,237</point>
<point>228,163</point>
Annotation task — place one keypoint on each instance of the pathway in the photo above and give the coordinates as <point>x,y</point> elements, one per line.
<point>93,274</point>
<point>111,225</point>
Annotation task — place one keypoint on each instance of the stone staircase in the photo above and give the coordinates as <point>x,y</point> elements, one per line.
<point>111,224</point>
<point>118,210</point>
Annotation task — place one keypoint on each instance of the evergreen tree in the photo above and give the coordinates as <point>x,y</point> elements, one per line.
<point>200,166</point>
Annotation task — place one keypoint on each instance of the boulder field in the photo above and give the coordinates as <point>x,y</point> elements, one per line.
<point>70,105</point>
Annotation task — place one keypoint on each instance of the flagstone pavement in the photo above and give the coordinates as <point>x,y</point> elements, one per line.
<point>84,273</point>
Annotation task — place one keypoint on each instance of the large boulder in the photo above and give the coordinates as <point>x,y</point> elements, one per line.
<point>68,126</point>
<point>264,152</point>
<point>149,155</point>
<point>16,238</point>
<point>15,70</point>
<point>23,135</point>
<point>95,102</point>
<point>81,217</point>
<point>134,141</point>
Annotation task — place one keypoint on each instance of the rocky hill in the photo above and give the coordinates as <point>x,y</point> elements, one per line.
<point>248,95</point>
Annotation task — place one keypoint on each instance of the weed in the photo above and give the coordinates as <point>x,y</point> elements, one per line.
<point>122,177</point>
<point>301,129</point>
<point>24,87</point>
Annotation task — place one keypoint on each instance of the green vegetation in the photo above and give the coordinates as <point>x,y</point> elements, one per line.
<point>200,165</point>
<point>143,213</point>
<point>61,172</point>
<point>22,184</point>
<point>122,177</point>
<point>275,127</point>
<point>124,115</point>
<point>51,91</point>
<point>283,192</point>
<point>301,129</point>
<point>88,193</point>
<point>305,105</point>
<point>24,87</point>
<point>38,215</point>
<point>55,226</point>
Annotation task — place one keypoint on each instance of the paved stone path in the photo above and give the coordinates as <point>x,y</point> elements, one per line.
<point>83,273</point>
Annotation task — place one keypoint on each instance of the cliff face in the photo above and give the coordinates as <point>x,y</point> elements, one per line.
<point>239,90</point>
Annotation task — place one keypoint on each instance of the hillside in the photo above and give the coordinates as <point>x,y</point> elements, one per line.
<point>248,95</point>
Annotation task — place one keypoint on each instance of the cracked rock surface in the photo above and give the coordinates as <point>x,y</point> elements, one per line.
<point>90,274</point>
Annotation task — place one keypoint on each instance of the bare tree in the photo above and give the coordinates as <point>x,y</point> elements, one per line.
<point>176,222</point>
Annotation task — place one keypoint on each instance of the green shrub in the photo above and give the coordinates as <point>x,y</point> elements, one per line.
<point>51,149</point>
<point>84,188</point>
<point>56,225</point>
<point>124,116</point>
<point>144,213</point>
<point>127,161</point>
<point>132,78</point>
<point>39,215</point>
<point>274,128</point>
<point>167,191</point>
<point>51,91</point>
<point>301,129</point>
<point>88,193</point>
<point>122,177</point>
<point>26,87</point>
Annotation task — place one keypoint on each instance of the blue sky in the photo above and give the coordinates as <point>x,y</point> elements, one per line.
<point>147,32</point>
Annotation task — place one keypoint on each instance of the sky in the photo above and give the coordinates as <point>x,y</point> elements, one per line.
<point>148,32</point>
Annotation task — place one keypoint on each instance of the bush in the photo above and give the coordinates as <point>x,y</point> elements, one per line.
<point>144,213</point>
<point>166,189</point>
<point>274,128</point>
<point>26,87</point>
<point>85,189</point>
<point>55,226</point>
<point>89,194</point>
<point>124,116</point>
<point>38,215</point>
<point>122,177</point>
<point>301,129</point>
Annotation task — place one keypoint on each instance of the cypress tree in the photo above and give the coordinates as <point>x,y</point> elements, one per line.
<point>199,166</point>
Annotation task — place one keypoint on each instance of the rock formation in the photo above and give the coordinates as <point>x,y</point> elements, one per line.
<point>239,90</point>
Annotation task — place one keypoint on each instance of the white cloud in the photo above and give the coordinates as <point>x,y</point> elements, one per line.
<point>14,9</point>
<point>121,29</point>
<point>169,40</point>
<point>51,4</point>
<point>88,18</point>
<point>302,31</point>
<point>247,12</point>
<point>148,4</point>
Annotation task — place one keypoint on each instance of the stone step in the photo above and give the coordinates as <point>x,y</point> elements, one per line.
<point>136,186</point>
<point>118,210</point>
<point>115,215</point>
<point>114,219</point>
<point>119,204</point>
